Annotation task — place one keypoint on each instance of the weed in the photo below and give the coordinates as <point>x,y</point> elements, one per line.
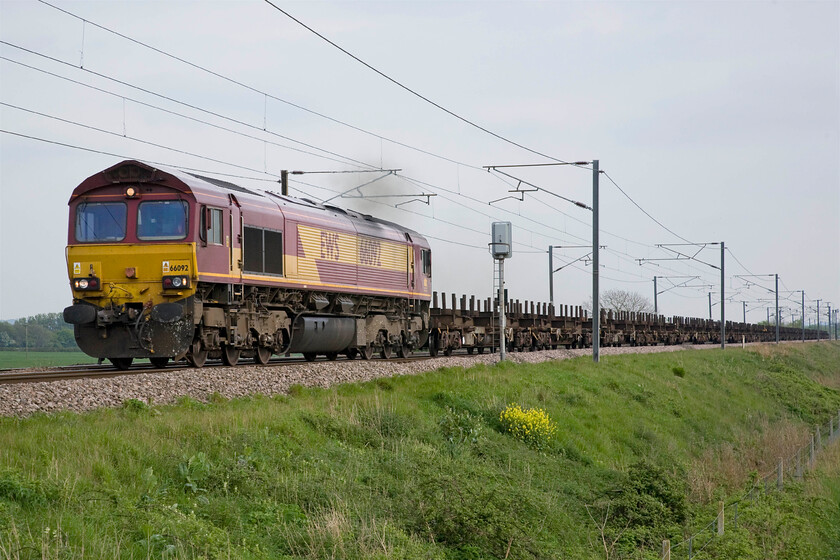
<point>461,426</point>
<point>193,472</point>
<point>532,426</point>
<point>679,371</point>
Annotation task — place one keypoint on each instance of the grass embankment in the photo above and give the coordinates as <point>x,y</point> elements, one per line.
<point>420,467</point>
<point>21,359</point>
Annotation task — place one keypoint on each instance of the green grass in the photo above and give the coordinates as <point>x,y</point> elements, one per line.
<point>22,359</point>
<point>420,466</point>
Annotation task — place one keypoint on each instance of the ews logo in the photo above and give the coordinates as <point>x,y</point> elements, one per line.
<point>329,246</point>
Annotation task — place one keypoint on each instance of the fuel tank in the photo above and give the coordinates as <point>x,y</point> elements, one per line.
<point>322,334</point>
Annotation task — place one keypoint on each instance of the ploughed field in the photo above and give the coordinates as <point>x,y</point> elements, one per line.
<point>384,460</point>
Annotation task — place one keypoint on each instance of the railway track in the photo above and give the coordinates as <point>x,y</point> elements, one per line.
<point>59,373</point>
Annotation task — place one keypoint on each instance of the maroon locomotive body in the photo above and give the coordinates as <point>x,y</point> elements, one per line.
<point>166,264</point>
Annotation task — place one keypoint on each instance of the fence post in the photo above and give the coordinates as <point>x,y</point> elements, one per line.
<point>780,482</point>
<point>819,440</point>
<point>799,464</point>
<point>811,456</point>
<point>666,550</point>
<point>690,547</point>
<point>735,518</point>
<point>721,509</point>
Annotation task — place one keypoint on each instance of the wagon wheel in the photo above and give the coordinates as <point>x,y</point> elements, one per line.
<point>159,362</point>
<point>386,352</point>
<point>230,355</point>
<point>121,363</point>
<point>309,356</point>
<point>366,352</point>
<point>470,350</point>
<point>480,349</point>
<point>332,356</point>
<point>351,353</point>
<point>262,355</point>
<point>447,351</point>
<point>403,350</point>
<point>197,355</point>
<point>433,346</point>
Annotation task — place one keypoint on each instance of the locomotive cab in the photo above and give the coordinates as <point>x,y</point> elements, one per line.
<point>131,263</point>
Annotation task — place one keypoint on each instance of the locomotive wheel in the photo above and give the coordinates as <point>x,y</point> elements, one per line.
<point>433,346</point>
<point>366,352</point>
<point>262,355</point>
<point>159,363</point>
<point>332,356</point>
<point>309,356</point>
<point>470,350</point>
<point>386,352</point>
<point>351,353</point>
<point>447,351</point>
<point>121,363</point>
<point>230,355</point>
<point>403,351</point>
<point>197,355</point>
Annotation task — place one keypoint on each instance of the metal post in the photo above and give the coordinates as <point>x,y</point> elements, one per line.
<point>803,315</point>
<point>745,311</point>
<point>777,308</point>
<point>551,274</point>
<point>722,301</point>
<point>501,310</point>
<point>596,309</point>
<point>655,303</point>
<point>284,182</point>
<point>829,321</point>
<point>818,320</point>
<point>710,306</point>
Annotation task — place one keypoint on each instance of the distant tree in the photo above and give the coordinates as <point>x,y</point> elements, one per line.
<point>621,300</point>
<point>65,338</point>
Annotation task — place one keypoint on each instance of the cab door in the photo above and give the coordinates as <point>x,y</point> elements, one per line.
<point>410,272</point>
<point>212,250</point>
<point>237,221</point>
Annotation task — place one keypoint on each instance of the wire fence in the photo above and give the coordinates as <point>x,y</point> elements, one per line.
<point>790,468</point>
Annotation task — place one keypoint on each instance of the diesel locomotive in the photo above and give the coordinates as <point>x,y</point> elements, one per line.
<point>167,265</point>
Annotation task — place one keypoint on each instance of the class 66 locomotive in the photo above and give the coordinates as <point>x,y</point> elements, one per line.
<point>168,265</point>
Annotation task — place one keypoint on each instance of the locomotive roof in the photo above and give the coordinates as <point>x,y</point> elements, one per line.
<point>206,190</point>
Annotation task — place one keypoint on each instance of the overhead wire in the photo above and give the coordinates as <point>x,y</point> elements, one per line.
<point>350,161</point>
<point>412,91</point>
<point>122,156</point>
<point>134,139</point>
<point>254,89</point>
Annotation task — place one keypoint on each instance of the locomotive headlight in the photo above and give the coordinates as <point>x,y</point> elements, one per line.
<point>175,282</point>
<point>90,284</point>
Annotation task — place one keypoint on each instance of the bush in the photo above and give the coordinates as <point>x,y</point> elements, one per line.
<point>532,426</point>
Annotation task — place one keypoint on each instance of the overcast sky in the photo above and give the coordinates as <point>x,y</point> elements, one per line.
<point>720,119</point>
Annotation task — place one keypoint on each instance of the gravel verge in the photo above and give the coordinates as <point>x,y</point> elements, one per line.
<point>79,395</point>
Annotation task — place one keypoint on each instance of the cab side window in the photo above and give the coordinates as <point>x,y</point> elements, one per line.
<point>215,233</point>
<point>211,227</point>
<point>426,258</point>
